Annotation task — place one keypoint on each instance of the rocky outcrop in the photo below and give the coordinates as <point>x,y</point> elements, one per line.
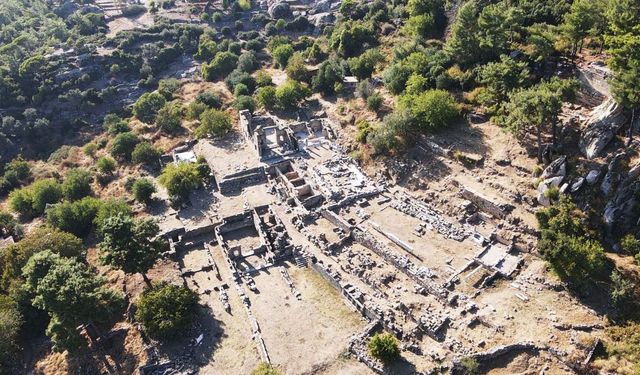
<point>280,10</point>
<point>622,211</point>
<point>551,177</point>
<point>615,170</point>
<point>603,124</point>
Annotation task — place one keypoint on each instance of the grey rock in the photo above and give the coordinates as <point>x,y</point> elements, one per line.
<point>614,174</point>
<point>604,122</point>
<point>577,185</point>
<point>592,176</point>
<point>557,167</point>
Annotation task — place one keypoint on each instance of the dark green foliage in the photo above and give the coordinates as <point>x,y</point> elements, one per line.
<point>123,145</point>
<point>566,243</point>
<point>630,245</point>
<point>499,79</point>
<point>32,200</point>
<point>168,87</point>
<point>296,68</point>
<point>74,217</point>
<point>281,55</point>
<point>77,184</point>
<point>364,65</point>
<point>374,102</point>
<point>166,310</point>
<point>431,110</point>
<point>106,165</point>
<point>222,64</point>
<point>148,105</point>
<point>10,323</point>
<point>350,38</point>
<point>266,97</point>
<point>210,99</point>
<point>111,207</point>
<point>622,291</point>
<point>244,102</point>
<point>145,153</point>
<point>213,122</point>
<point>247,62</point>
<point>180,180</point>
<point>291,93</point>
<point>384,346</point>
<point>265,369</point>
<point>85,297</point>
<point>329,73</point>
<point>169,118</point>
<point>240,77</point>
<point>395,77</point>
<point>130,245</point>
<point>8,225</point>
<point>114,124</point>
<point>143,190</point>
<point>14,257</point>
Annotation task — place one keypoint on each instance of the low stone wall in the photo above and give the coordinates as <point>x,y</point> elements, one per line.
<point>485,204</point>
<point>237,181</point>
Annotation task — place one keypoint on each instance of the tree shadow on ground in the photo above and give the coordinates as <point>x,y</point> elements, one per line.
<point>401,367</point>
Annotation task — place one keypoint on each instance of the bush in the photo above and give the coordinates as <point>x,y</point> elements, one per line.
<point>374,102</point>
<point>77,184</point>
<point>143,190</point>
<point>123,145</point>
<point>291,93</point>
<point>364,65</point>
<point>166,310</point>
<point>147,106</point>
<point>169,118</point>
<point>432,110</point>
<point>630,245</point>
<point>213,122</point>
<point>265,369</point>
<point>263,79</point>
<point>281,55</point>
<point>247,62</point>
<point>168,87</point>
<point>74,217</point>
<point>235,48</point>
<point>210,99</point>
<point>195,109</point>
<point>10,323</point>
<point>106,165</point>
<point>470,366</point>
<point>180,180</point>
<point>384,346</point>
<point>364,129</point>
<point>266,97</point>
<point>395,78</point>
<point>32,200</point>
<point>114,124</point>
<point>296,68</point>
<point>223,63</point>
<point>239,77</point>
<point>8,225</point>
<point>90,149</point>
<point>145,153</point>
<point>244,102</point>
<point>108,208</point>
<point>328,75</point>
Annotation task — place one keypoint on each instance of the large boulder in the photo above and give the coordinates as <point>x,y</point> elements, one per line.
<point>280,10</point>
<point>615,171</point>
<point>556,168</point>
<point>604,122</point>
<point>622,211</point>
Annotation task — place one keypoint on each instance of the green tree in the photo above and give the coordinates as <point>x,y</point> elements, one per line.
<point>266,97</point>
<point>223,63</point>
<point>395,77</point>
<point>291,93</point>
<point>114,124</point>
<point>33,199</point>
<point>621,292</point>
<point>536,109</point>
<point>500,78</point>
<point>111,207</point>
<point>384,346</point>
<point>630,245</point>
<point>10,323</point>
<point>147,106</point>
<point>463,45</point>
<point>281,55</point>
<point>328,75</point>
<point>77,184</point>
<point>213,122</point>
<point>364,65</point>
<point>296,68</point>
<point>248,62</point>
<point>71,294</point>
<point>431,110</point>
<point>169,118</point>
<point>578,23</point>
<point>8,225</point>
<point>180,180</point>
<point>143,190</point>
<point>166,310</point>
<point>129,245</point>
<point>497,24</point>
<point>123,145</point>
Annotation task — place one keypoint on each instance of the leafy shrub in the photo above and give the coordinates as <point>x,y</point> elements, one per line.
<point>74,217</point>
<point>165,310</point>
<point>374,102</point>
<point>266,97</point>
<point>213,122</point>
<point>265,369</point>
<point>32,200</point>
<point>281,55</point>
<point>147,106</point>
<point>168,87</point>
<point>291,93</point>
<point>143,190</point>
<point>244,102</point>
<point>169,118</point>
<point>432,110</point>
<point>384,346</point>
<point>145,153</point>
<point>223,63</point>
<point>106,165</point>
<point>77,184</point>
<point>123,145</point>
<point>114,124</point>
<point>180,180</point>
